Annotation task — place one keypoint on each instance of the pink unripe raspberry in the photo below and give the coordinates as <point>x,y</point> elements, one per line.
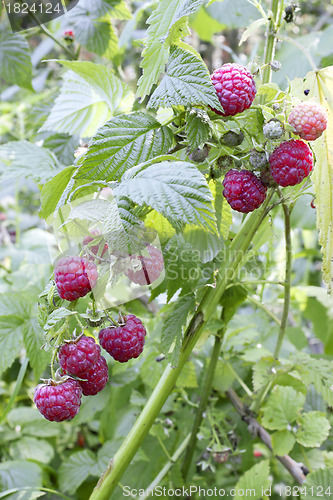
<point>149,267</point>
<point>309,120</point>
<point>58,402</point>
<point>243,190</point>
<point>124,342</point>
<point>79,357</point>
<point>235,88</point>
<point>75,277</point>
<point>96,379</point>
<point>291,162</point>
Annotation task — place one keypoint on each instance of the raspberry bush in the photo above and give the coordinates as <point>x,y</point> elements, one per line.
<point>166,250</point>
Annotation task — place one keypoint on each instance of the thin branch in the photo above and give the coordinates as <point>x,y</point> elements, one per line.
<point>287,288</point>
<point>296,469</point>
<point>301,48</point>
<point>264,308</point>
<point>62,45</point>
<point>163,472</point>
<point>205,392</point>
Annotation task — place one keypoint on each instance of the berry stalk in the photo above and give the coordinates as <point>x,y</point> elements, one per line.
<point>235,258</point>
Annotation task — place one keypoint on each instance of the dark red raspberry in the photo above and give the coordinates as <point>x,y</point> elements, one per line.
<point>96,378</point>
<point>124,342</point>
<point>75,277</point>
<point>148,268</point>
<point>291,162</point>
<point>243,190</point>
<point>58,402</point>
<point>79,357</point>
<point>95,249</point>
<point>235,88</point>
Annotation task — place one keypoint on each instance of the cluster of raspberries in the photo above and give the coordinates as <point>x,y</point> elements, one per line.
<point>289,163</point>
<point>81,358</point>
<point>76,276</point>
<point>84,371</point>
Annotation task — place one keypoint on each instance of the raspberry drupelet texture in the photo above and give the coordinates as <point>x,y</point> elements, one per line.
<point>58,402</point>
<point>124,342</point>
<point>75,277</point>
<point>309,120</point>
<point>96,379</point>
<point>79,357</point>
<point>235,88</point>
<point>243,190</point>
<point>149,267</point>
<point>291,162</point>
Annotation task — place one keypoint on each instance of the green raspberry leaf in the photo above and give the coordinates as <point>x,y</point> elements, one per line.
<point>283,442</point>
<point>90,95</point>
<point>123,142</point>
<point>318,483</point>
<point>23,159</point>
<point>313,429</point>
<point>198,128</point>
<point>15,60</point>
<point>282,408</point>
<point>172,329</point>
<point>253,481</point>
<point>187,82</point>
<point>176,189</point>
<point>166,25</point>
<point>75,469</point>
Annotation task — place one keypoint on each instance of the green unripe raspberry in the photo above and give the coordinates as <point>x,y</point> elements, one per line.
<point>273,130</point>
<point>199,154</point>
<point>232,139</point>
<point>223,164</point>
<point>258,159</point>
<point>275,65</point>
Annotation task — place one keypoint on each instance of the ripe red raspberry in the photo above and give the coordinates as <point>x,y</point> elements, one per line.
<point>309,120</point>
<point>78,357</point>
<point>58,402</point>
<point>291,162</point>
<point>148,268</point>
<point>235,88</point>
<point>75,277</point>
<point>126,341</point>
<point>95,249</point>
<point>243,190</point>
<point>96,378</point>
<point>257,453</point>
<point>69,35</point>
